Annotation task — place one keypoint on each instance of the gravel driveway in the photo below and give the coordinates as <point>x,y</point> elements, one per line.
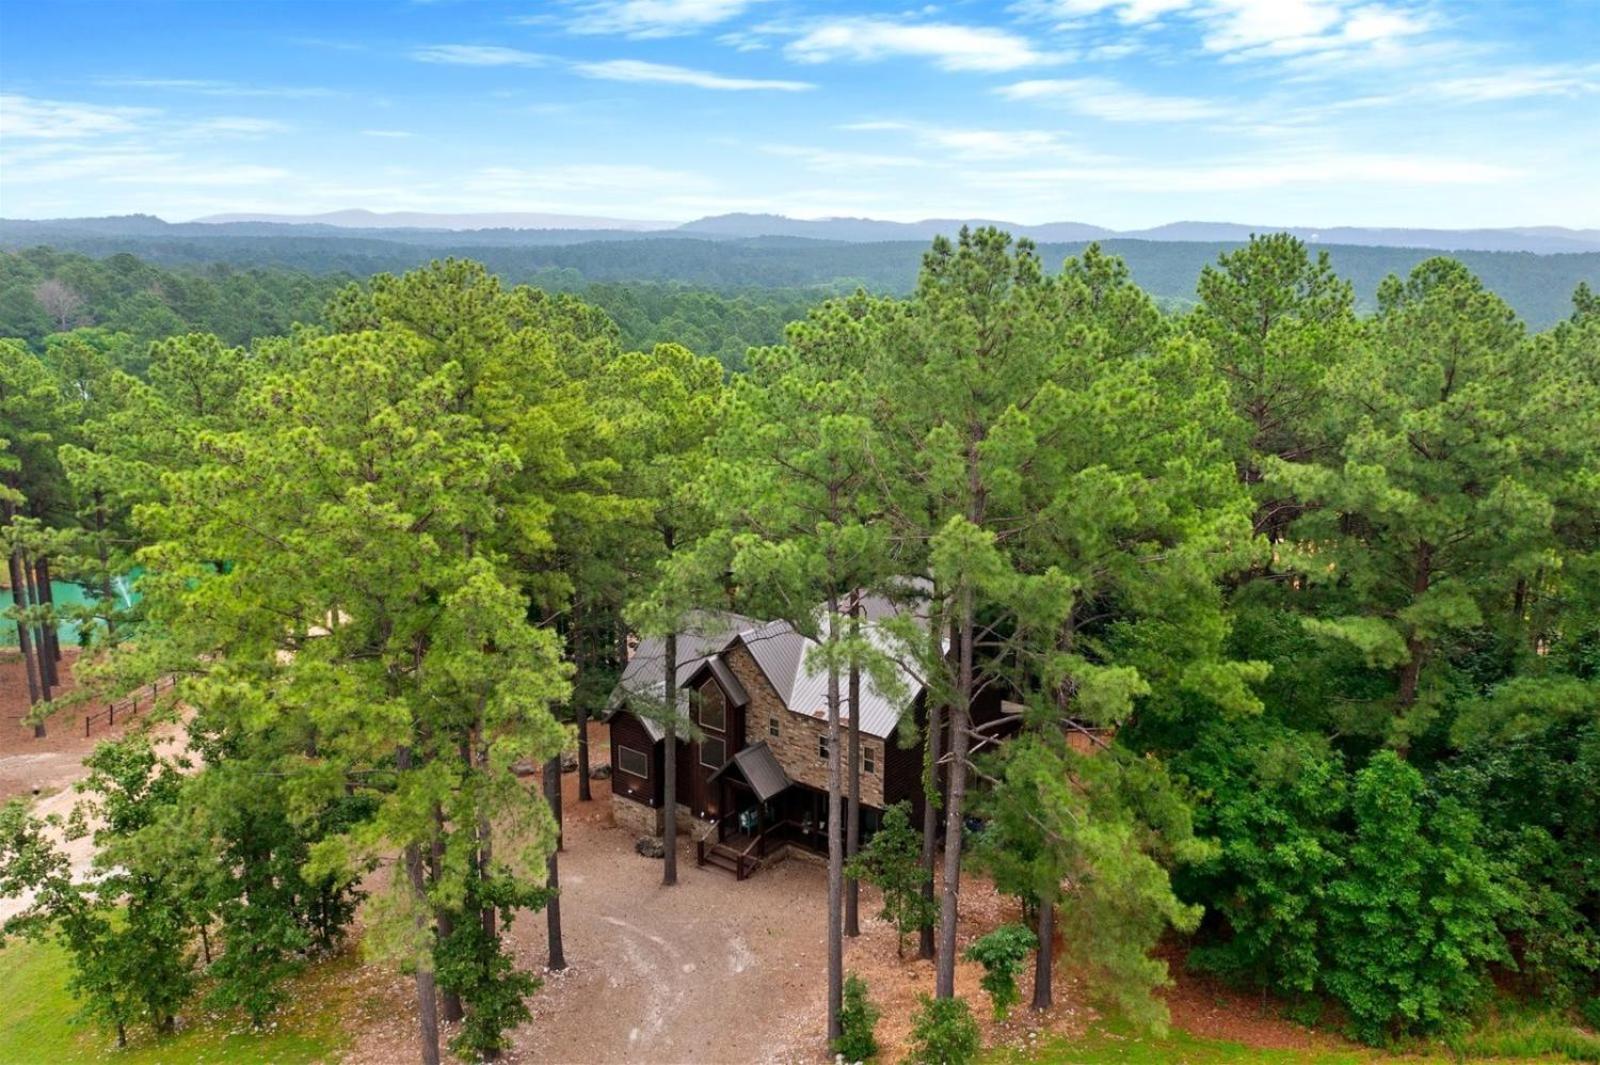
<point>712,970</point>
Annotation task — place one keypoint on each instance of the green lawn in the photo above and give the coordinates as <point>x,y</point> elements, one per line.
<point>37,1026</point>
<point>1524,1039</point>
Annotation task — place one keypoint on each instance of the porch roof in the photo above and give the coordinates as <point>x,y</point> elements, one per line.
<point>759,768</point>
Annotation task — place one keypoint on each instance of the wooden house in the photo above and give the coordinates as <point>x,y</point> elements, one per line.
<point>752,779</point>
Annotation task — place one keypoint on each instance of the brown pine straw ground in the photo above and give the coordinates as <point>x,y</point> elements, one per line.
<point>713,970</point>
<point>717,970</point>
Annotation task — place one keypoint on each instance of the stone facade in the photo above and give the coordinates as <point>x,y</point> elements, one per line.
<point>636,817</point>
<point>642,820</point>
<point>796,743</point>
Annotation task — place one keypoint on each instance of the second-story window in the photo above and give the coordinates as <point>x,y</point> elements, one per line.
<point>822,747</point>
<point>713,708</point>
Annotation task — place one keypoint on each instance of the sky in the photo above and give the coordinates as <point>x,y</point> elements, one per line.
<point>1123,113</point>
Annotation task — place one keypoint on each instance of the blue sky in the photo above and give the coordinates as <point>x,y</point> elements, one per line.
<point>1119,112</point>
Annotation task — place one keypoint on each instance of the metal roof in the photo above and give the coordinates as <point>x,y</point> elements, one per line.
<point>785,658</point>
<point>880,709</point>
<point>719,669</point>
<point>706,634</point>
<point>760,770</point>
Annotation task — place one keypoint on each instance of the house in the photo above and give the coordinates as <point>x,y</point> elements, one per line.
<point>754,780</point>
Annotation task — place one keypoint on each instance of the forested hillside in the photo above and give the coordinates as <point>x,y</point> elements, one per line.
<point>1295,607</point>
<point>1536,286</point>
<point>130,303</point>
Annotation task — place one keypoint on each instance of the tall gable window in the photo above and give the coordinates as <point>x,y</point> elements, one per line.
<point>713,707</point>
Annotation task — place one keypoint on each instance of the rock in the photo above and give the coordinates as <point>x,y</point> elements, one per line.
<point>601,772</point>
<point>524,767</point>
<point>650,847</point>
<point>569,762</point>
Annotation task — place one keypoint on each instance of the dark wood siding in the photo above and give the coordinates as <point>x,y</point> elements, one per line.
<point>629,731</point>
<point>902,766</point>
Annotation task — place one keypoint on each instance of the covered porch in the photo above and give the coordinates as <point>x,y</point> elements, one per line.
<point>768,815</point>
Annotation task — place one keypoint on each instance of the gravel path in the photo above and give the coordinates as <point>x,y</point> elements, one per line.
<point>712,970</point>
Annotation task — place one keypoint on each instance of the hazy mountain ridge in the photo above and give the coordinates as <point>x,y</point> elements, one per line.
<point>524,229</point>
<point>1538,286</point>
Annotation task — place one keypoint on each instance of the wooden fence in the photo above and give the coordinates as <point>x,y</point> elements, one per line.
<point>129,704</point>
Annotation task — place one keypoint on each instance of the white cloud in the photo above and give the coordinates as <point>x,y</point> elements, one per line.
<point>219,174</point>
<point>1518,83</point>
<point>975,143</point>
<point>1259,28</point>
<point>638,70</point>
<point>948,45</point>
<point>1250,174</point>
<point>26,116</point>
<point>642,19</point>
<point>1108,100</point>
<point>205,87</point>
<point>580,185</point>
<point>478,55</point>
<point>828,159</point>
<point>236,126</point>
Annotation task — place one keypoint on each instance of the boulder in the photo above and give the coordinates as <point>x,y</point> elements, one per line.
<point>569,762</point>
<point>601,772</point>
<point>650,847</point>
<point>524,767</point>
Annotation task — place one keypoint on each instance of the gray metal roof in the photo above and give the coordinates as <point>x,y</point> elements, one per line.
<point>785,658</point>
<point>760,769</point>
<point>719,669</point>
<point>706,634</point>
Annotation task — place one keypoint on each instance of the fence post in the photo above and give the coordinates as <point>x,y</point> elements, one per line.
<point>85,726</point>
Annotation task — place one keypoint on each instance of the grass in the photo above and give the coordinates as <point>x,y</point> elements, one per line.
<point>1527,1034</point>
<point>37,1022</point>
<point>1525,1037</point>
<point>1114,1043</point>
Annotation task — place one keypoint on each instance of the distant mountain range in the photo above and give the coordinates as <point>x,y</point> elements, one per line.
<point>522,229</point>
<point>1540,239</point>
<point>836,255</point>
<point>360,219</point>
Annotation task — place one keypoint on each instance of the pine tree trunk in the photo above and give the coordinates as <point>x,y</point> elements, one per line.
<point>19,596</point>
<point>427,997</point>
<point>444,923</point>
<point>552,910</point>
<point>1044,957</point>
<point>669,773</point>
<point>1416,647</point>
<point>852,842</point>
<point>49,635</point>
<point>960,722</point>
<point>835,838</point>
<point>930,824</point>
<point>581,710</point>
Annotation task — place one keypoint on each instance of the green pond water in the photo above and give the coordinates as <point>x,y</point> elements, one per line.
<point>65,595</point>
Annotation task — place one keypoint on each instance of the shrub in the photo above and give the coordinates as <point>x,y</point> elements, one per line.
<point>1002,953</point>
<point>858,1018</point>
<point>943,1032</point>
<point>1412,923</point>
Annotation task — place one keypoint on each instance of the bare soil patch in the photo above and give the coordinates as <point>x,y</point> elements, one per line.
<point>55,760</point>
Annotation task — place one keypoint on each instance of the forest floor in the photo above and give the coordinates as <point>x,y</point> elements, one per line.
<point>713,970</point>
<point>47,767</point>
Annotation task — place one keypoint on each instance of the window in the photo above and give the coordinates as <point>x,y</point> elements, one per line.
<point>713,752</point>
<point>772,726</point>
<point>869,762</point>
<point>713,708</point>
<point>633,762</point>
<point>822,747</point>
